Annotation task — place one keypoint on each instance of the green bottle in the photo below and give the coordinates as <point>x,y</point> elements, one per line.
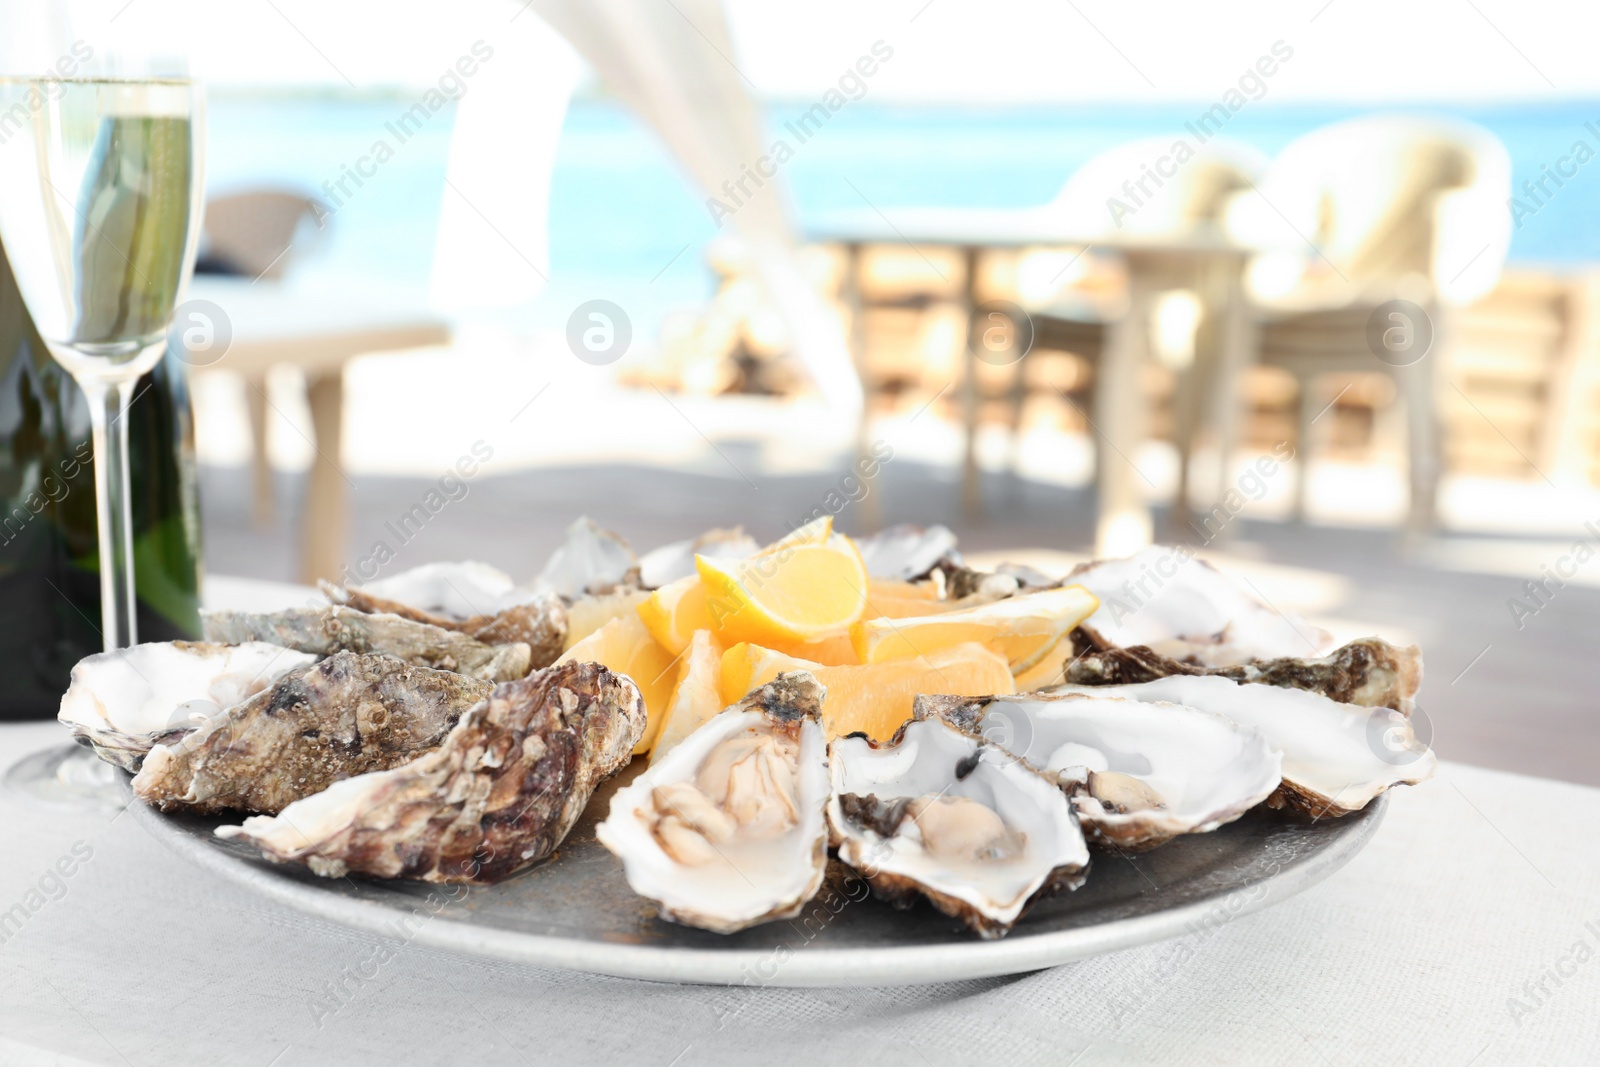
<point>49,572</point>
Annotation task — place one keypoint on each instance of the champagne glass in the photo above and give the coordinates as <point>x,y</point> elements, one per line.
<point>100,185</point>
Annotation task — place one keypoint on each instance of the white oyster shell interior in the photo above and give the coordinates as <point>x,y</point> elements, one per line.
<point>454,591</point>
<point>1205,769</point>
<point>1186,609</point>
<point>770,860</point>
<point>590,558</point>
<point>1343,754</point>
<point>905,551</point>
<point>151,687</point>
<point>935,760</point>
<point>669,563</point>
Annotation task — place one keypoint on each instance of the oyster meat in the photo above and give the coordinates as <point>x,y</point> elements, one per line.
<point>941,813</point>
<point>344,716</point>
<point>1336,757</point>
<point>908,552</point>
<point>673,562</point>
<point>1138,774</point>
<point>324,631</point>
<point>500,793</point>
<point>125,702</point>
<point>1370,671</point>
<point>473,598</point>
<point>727,830</point>
<point>592,560</point>
<point>1183,608</point>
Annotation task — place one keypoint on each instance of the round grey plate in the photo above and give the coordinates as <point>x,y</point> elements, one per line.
<point>576,910</point>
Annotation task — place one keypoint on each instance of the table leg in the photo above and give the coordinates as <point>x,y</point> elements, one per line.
<point>1236,346</point>
<point>971,492</point>
<point>855,307</point>
<point>1123,526</point>
<point>262,504</point>
<point>324,525</point>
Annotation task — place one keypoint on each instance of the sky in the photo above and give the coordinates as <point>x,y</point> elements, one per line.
<point>964,51</point>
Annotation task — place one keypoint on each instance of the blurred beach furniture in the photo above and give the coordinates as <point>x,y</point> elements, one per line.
<point>1351,217</point>
<point>1169,238</point>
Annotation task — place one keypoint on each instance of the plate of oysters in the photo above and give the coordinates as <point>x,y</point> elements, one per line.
<point>822,761</point>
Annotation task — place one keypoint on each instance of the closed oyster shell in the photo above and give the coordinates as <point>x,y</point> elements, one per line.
<point>1138,774</point>
<point>324,631</point>
<point>1370,672</point>
<point>726,831</point>
<point>470,597</point>
<point>344,716</point>
<point>500,793</point>
<point>939,813</point>
<point>123,703</point>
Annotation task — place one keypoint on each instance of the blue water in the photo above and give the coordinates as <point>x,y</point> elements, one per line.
<point>622,210</point>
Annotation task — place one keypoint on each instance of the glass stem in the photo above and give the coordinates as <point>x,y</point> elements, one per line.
<point>108,416</point>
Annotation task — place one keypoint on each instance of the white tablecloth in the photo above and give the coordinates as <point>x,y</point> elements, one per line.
<point>1468,932</point>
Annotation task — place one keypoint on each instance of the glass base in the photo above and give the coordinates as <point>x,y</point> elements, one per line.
<point>68,776</point>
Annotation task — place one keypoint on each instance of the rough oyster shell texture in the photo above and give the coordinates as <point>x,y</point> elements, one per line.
<point>473,598</point>
<point>1370,671</point>
<point>324,631</point>
<point>123,703</point>
<point>727,830</point>
<point>1004,836</point>
<point>344,716</point>
<point>500,793</point>
<point>1138,774</point>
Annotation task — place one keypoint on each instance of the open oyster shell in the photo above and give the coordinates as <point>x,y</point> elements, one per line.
<point>591,561</point>
<point>125,702</point>
<point>669,563</point>
<point>1138,774</point>
<point>1336,757</point>
<point>500,793</point>
<point>941,813</point>
<point>1370,671</point>
<point>907,552</point>
<point>727,830</point>
<point>473,598</point>
<point>324,631</point>
<point>344,716</point>
<point>1185,609</point>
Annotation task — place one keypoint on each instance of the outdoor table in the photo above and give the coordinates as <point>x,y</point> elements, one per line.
<point>1467,932</point>
<point>1155,263</point>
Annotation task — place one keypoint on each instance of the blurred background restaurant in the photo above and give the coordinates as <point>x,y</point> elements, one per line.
<point>1310,287</point>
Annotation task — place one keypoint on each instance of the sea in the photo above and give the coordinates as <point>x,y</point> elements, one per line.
<point>626,223</point>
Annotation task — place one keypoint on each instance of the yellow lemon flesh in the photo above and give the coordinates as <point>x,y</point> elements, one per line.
<point>801,593</point>
<point>697,696</point>
<point>873,698</point>
<point>624,646</point>
<point>1021,628</point>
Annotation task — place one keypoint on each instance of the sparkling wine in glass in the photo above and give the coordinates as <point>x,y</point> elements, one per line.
<point>100,185</point>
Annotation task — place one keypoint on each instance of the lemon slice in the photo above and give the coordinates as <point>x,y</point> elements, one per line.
<point>801,592</point>
<point>697,697</point>
<point>1021,628</point>
<point>623,645</point>
<point>872,698</point>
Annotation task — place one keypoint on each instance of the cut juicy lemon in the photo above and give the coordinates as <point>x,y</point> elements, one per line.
<point>900,590</point>
<point>815,532</point>
<point>623,645</point>
<point>674,612</point>
<point>873,698</point>
<point>588,614</point>
<point>697,697</point>
<point>746,666</point>
<point>800,593</point>
<point>1021,628</point>
<point>1050,670</point>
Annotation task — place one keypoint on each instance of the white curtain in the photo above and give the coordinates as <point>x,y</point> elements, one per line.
<point>673,62</point>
